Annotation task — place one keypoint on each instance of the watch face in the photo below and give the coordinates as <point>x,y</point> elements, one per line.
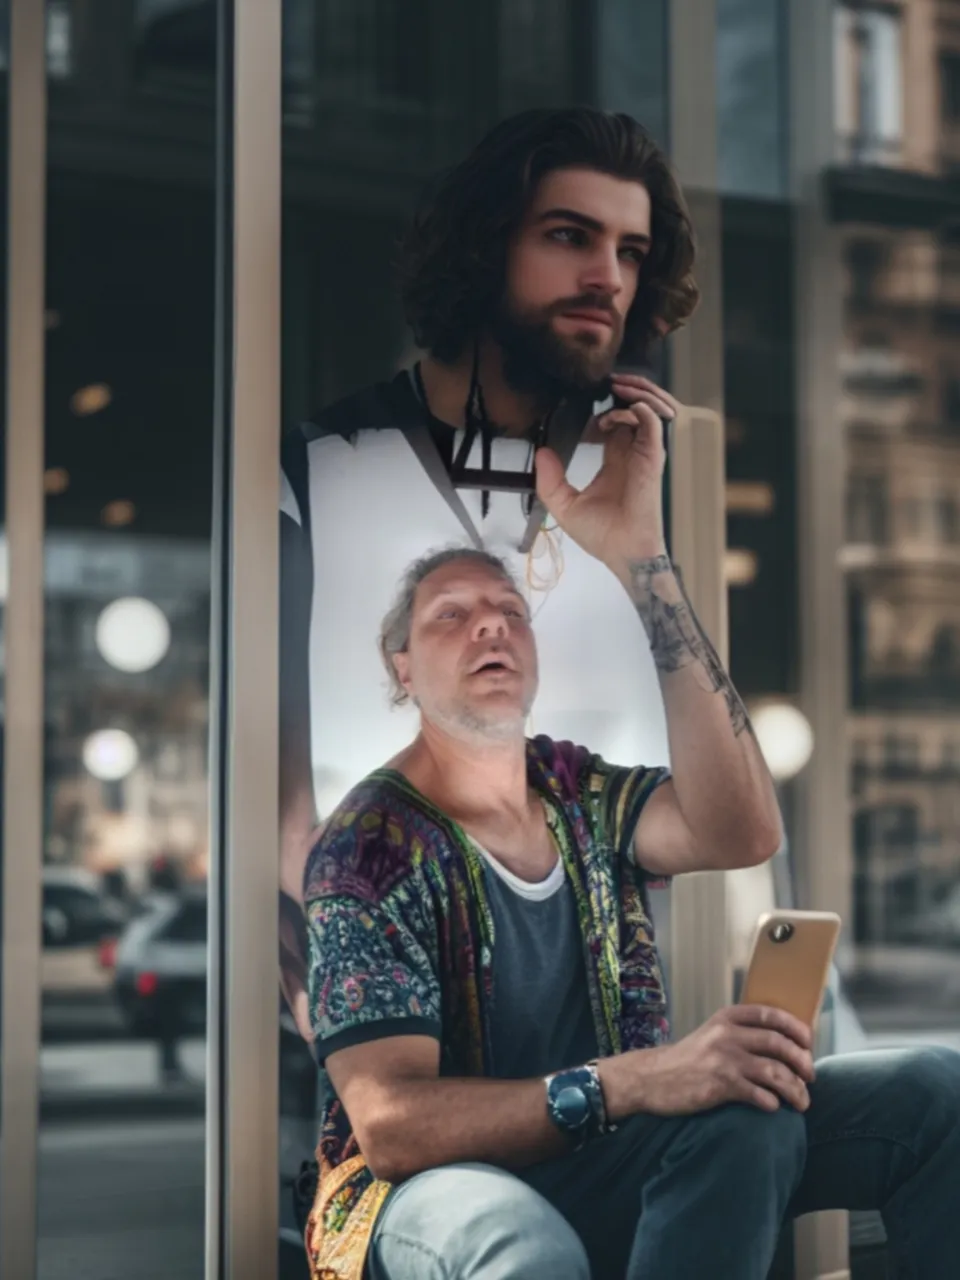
<point>572,1106</point>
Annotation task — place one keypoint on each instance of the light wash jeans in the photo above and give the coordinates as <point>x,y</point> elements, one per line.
<point>684,1198</point>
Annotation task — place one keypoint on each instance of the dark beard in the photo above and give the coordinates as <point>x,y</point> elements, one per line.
<point>539,363</point>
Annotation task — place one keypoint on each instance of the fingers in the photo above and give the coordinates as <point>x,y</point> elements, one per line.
<point>636,389</point>
<point>759,1015</point>
<point>757,1096</point>
<point>553,489</point>
<point>639,417</point>
<point>770,1076</point>
<point>300,1008</point>
<point>771,1044</point>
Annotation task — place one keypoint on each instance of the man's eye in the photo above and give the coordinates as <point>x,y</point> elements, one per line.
<point>571,235</point>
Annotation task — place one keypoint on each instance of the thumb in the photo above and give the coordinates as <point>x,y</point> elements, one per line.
<point>553,489</point>
<point>301,1015</point>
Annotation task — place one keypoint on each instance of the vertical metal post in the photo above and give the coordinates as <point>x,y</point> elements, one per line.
<point>242,1106</point>
<point>699,964</point>
<point>823,824</point>
<point>23,626</point>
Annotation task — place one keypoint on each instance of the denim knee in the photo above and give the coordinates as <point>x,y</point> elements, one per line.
<point>930,1073</point>
<point>747,1142</point>
<point>474,1222</point>
<point>935,1069</point>
<point>527,1237</point>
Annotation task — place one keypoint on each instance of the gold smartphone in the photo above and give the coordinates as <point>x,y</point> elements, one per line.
<point>790,962</point>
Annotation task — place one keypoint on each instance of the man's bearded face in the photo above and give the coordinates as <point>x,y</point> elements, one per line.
<point>573,270</point>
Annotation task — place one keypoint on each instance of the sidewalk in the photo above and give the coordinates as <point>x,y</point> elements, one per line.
<point>118,1078</point>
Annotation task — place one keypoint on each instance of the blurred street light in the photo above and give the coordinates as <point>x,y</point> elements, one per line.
<point>110,754</point>
<point>785,738</point>
<point>133,634</point>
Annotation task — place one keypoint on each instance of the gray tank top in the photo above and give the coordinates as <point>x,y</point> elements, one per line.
<point>541,1018</point>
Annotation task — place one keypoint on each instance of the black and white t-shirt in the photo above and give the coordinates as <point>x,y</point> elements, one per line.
<point>359,504</point>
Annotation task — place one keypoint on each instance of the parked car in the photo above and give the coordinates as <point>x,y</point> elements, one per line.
<point>78,919</point>
<point>160,985</point>
<point>160,967</point>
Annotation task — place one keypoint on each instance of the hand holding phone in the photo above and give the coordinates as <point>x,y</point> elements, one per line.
<point>758,1051</point>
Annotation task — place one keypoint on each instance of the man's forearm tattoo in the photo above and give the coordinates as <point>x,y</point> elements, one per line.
<point>676,638</point>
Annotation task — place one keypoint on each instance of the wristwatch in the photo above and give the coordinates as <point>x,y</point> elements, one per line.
<point>575,1104</point>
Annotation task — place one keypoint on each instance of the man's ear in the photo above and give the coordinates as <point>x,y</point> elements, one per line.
<point>401,666</point>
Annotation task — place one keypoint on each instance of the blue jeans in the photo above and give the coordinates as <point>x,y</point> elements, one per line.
<point>684,1197</point>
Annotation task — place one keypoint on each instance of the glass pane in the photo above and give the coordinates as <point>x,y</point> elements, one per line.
<point>129,390</point>
<point>388,97</point>
<point>4,100</point>
<point>900,372</point>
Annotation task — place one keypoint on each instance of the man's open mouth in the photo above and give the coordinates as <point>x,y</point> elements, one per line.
<point>493,664</point>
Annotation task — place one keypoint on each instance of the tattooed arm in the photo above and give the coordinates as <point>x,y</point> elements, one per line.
<point>720,809</point>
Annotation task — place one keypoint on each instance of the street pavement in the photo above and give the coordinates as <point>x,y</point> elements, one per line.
<point>121,1201</point>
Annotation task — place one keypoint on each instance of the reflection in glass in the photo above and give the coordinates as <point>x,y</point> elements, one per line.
<point>898,412</point>
<point>397,98</point>
<point>127,580</point>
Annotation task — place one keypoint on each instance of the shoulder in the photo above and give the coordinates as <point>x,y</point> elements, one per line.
<point>561,764</point>
<point>381,405</point>
<point>373,841</point>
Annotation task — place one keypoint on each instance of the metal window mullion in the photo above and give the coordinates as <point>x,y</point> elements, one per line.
<point>822,825</point>
<point>700,959</point>
<point>23,641</point>
<point>243,1002</point>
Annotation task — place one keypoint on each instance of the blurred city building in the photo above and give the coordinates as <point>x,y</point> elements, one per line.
<point>896,198</point>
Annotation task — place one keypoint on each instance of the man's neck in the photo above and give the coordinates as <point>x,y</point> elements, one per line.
<point>447,387</point>
<point>466,780</point>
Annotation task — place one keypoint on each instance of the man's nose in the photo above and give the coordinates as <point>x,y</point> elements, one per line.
<point>603,274</point>
<point>489,622</point>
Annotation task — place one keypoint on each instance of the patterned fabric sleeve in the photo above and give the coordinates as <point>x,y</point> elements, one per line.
<point>615,795</point>
<point>373,939</point>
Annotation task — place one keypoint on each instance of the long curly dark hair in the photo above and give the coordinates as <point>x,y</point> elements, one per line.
<point>453,259</point>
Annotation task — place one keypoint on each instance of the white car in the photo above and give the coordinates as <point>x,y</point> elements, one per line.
<point>160,978</point>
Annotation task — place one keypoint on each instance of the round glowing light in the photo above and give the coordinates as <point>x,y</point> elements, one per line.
<point>785,738</point>
<point>110,754</point>
<point>117,514</point>
<point>90,400</point>
<point>56,480</point>
<point>133,634</point>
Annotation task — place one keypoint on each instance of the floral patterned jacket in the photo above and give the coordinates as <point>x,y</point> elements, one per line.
<point>402,939</point>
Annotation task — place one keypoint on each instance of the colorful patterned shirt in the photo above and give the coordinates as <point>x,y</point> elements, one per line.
<point>402,938</point>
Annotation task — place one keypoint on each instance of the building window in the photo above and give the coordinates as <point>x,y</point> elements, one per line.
<point>950,88</point>
<point>869,84</point>
<point>948,519</point>
<point>945,651</point>
<point>951,398</point>
<point>900,752</point>
<point>867,510</point>
<point>913,521</point>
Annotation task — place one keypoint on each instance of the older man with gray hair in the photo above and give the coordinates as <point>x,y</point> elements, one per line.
<point>485,990</point>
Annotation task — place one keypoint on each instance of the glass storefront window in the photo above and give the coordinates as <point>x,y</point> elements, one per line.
<point>129,397</point>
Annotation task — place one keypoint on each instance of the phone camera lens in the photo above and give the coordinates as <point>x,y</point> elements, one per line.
<point>781,932</point>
